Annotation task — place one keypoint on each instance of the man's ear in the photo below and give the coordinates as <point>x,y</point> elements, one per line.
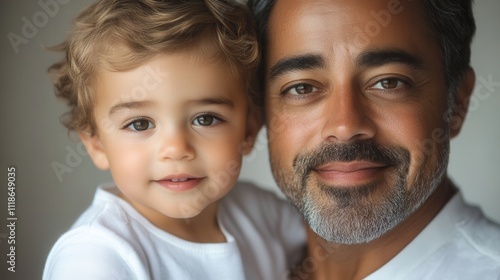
<point>95,149</point>
<point>254,124</point>
<point>461,102</point>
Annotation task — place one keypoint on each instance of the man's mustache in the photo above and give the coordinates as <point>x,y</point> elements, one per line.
<point>346,152</point>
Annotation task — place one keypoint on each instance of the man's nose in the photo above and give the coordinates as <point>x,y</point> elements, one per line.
<point>347,116</point>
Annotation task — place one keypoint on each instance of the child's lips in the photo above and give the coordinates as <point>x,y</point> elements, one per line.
<point>179,177</point>
<point>179,182</point>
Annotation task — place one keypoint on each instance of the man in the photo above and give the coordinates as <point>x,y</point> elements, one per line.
<point>361,100</point>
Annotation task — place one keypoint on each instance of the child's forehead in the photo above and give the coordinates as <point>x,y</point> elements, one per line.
<point>184,66</point>
<point>180,71</point>
<point>160,92</point>
<point>204,51</point>
<point>201,64</point>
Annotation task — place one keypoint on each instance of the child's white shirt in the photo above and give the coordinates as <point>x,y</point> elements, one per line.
<point>265,237</point>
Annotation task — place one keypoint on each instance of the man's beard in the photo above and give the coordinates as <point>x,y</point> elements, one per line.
<point>359,214</point>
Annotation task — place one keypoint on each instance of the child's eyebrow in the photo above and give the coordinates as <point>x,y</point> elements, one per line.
<point>214,101</point>
<point>141,104</point>
<point>128,105</point>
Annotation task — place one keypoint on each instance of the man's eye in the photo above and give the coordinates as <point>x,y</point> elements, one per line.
<point>140,125</point>
<point>206,120</point>
<point>389,83</point>
<point>300,89</point>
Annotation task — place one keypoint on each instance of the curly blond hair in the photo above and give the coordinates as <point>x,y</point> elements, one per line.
<point>123,34</point>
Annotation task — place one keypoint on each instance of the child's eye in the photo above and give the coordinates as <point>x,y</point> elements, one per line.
<point>140,125</point>
<point>206,120</point>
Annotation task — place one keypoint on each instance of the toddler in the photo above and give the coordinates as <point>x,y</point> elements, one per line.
<point>160,93</point>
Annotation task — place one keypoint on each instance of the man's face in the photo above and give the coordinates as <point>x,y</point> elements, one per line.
<point>355,100</point>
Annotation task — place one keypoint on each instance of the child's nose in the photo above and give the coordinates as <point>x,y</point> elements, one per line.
<point>176,145</point>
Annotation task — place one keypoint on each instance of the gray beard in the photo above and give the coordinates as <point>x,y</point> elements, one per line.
<point>348,215</point>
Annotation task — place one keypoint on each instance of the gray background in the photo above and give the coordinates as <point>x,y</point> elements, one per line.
<point>33,140</point>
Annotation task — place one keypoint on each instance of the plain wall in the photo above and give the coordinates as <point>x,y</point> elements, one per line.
<point>34,141</point>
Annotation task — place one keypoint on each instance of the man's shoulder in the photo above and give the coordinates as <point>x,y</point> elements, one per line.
<point>459,243</point>
<point>474,236</point>
<point>472,251</point>
<point>480,234</point>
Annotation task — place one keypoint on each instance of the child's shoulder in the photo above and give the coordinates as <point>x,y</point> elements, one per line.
<point>250,190</point>
<point>109,221</point>
<point>259,204</point>
<point>102,218</point>
<point>267,228</point>
<point>107,210</point>
<point>102,239</point>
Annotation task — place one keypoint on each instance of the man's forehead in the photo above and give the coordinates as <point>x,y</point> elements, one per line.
<point>305,26</point>
<point>290,10</point>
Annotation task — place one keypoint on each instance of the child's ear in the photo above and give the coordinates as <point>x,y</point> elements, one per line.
<point>95,149</point>
<point>254,124</point>
<point>461,103</point>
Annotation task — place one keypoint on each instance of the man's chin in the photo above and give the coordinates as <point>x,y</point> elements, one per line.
<point>354,214</point>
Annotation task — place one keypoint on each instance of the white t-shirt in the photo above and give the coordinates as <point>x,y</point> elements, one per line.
<point>111,240</point>
<point>459,243</point>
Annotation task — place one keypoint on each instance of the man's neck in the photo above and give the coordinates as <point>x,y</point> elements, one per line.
<point>339,261</point>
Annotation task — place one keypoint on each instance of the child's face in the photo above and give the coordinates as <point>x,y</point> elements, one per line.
<point>172,132</point>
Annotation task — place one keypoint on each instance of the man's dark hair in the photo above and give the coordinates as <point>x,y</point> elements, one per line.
<point>451,20</point>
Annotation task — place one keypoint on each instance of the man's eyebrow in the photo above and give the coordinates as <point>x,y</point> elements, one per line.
<point>129,105</point>
<point>375,58</point>
<point>296,63</point>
